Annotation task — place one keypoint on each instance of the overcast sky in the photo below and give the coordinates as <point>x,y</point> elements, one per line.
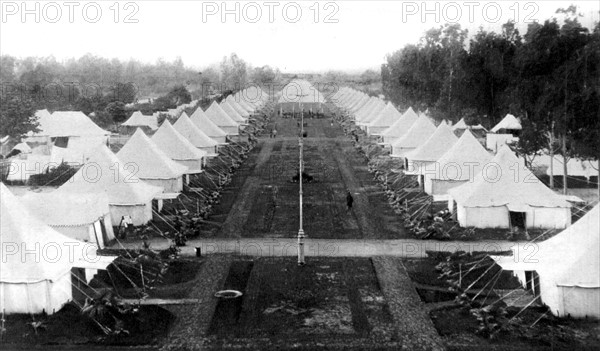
<point>348,35</point>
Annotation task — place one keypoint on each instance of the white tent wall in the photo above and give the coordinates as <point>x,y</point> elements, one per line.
<point>232,131</point>
<point>194,166</point>
<point>439,186</point>
<point>483,217</point>
<point>140,214</point>
<point>173,185</point>
<point>219,139</point>
<point>86,232</point>
<point>578,302</point>
<point>400,152</point>
<point>376,130</point>
<point>46,295</point>
<point>498,217</point>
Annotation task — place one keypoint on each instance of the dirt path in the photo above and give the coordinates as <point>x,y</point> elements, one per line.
<point>275,247</point>
<point>415,328</point>
<point>266,205</point>
<point>232,228</point>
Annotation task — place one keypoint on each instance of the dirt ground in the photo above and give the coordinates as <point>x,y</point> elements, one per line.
<point>263,200</point>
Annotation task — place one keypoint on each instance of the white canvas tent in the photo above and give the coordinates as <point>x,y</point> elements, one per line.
<point>369,116</point>
<point>567,267</point>
<point>387,117</point>
<point>506,131</point>
<point>216,114</point>
<point>232,113</point>
<point>127,194</point>
<point>506,192</point>
<point>423,159</point>
<point>84,217</point>
<point>195,136</point>
<point>399,128</point>
<point>459,164</point>
<point>463,125</point>
<point>77,130</point>
<point>416,135</point>
<point>139,120</point>
<point>509,122</point>
<point>178,148</point>
<point>152,164</point>
<point>37,260</point>
<point>232,101</point>
<point>202,121</point>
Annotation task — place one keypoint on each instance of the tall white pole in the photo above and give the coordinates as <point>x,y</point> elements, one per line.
<point>301,261</point>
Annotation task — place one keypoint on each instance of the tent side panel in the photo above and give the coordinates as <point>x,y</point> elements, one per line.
<point>580,302</point>
<point>140,214</point>
<point>441,187</point>
<point>174,185</point>
<point>484,217</point>
<point>546,218</point>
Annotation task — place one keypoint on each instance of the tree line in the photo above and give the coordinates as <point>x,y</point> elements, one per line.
<point>102,87</point>
<point>549,77</point>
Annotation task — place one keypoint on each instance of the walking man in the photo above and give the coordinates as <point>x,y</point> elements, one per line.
<point>349,200</point>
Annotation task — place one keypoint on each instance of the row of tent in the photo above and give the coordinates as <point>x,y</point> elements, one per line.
<point>484,189</point>
<point>68,136</point>
<point>83,211</point>
<point>233,109</point>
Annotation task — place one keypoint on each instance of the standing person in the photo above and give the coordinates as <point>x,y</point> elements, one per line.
<point>349,200</point>
<point>274,132</point>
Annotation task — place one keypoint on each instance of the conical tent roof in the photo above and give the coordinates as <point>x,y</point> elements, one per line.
<point>506,182</point>
<point>388,116</point>
<point>401,126</point>
<point>358,103</point>
<point>201,120</point>
<point>362,112</point>
<point>175,145</point>
<point>192,133</point>
<point>151,161</point>
<point>216,114</point>
<point>138,119</point>
<point>573,256</point>
<point>69,123</point>
<point>244,104</point>
<point>42,114</point>
<point>465,152</point>
<point>369,117</point>
<point>19,227</point>
<point>105,173</point>
<point>508,122</point>
<point>231,112</point>
<point>237,107</point>
<point>463,125</point>
<point>417,134</point>
<point>62,209</point>
<point>438,143</point>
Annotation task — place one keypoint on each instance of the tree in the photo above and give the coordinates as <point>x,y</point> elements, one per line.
<point>180,95</point>
<point>117,112</point>
<point>531,141</point>
<point>17,115</point>
<point>265,75</point>
<point>234,72</point>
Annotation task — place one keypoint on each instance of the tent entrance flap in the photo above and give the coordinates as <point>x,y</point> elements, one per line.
<point>518,220</point>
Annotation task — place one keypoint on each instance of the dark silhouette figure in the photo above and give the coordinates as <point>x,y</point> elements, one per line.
<point>349,200</point>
